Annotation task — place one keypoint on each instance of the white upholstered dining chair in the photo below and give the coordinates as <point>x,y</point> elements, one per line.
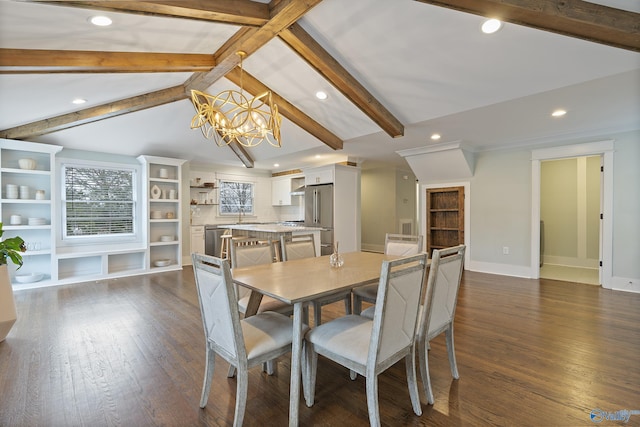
<point>368,347</point>
<point>438,311</point>
<point>303,246</point>
<point>394,244</point>
<point>247,253</point>
<point>242,343</point>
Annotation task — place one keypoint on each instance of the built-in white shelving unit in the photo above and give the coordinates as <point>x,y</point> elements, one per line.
<point>32,216</point>
<point>163,210</point>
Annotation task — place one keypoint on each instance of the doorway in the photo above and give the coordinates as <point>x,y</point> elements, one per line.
<point>603,149</point>
<point>570,206</point>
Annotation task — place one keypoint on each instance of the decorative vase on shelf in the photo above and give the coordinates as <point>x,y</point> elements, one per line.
<point>155,192</point>
<point>335,259</point>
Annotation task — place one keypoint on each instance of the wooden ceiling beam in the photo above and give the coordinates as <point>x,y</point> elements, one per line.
<point>574,18</point>
<point>316,56</point>
<point>242,154</point>
<point>38,61</point>
<point>94,114</point>
<point>239,12</point>
<point>253,86</point>
<point>284,14</point>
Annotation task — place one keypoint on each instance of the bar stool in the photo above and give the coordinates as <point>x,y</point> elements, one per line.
<point>224,247</point>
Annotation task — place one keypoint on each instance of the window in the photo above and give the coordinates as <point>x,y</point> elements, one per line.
<point>98,202</point>
<point>236,198</point>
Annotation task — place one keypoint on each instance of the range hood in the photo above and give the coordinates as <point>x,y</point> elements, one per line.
<point>298,191</point>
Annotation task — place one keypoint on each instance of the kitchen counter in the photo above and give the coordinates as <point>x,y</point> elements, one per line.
<point>270,228</point>
<point>274,231</point>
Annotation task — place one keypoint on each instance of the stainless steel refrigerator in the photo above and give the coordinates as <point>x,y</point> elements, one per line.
<point>318,212</point>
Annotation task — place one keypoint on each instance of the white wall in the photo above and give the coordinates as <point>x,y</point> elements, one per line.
<point>501,211</point>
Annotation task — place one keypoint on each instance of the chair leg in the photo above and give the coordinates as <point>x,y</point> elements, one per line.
<point>412,382</point>
<point>232,371</point>
<point>208,375</point>
<point>423,361</point>
<point>357,304</point>
<point>372,400</point>
<point>269,367</point>
<point>452,352</point>
<point>310,370</point>
<point>241,397</point>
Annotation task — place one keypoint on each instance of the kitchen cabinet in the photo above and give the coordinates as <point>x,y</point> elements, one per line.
<point>281,191</point>
<point>321,175</point>
<point>197,239</point>
<point>162,210</point>
<point>26,198</point>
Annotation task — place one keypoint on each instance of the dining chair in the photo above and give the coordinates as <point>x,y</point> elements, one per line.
<point>370,346</point>
<point>394,244</point>
<point>438,311</point>
<point>303,246</point>
<point>249,252</point>
<point>242,343</point>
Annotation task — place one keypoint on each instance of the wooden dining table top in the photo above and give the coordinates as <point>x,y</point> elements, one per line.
<point>310,278</point>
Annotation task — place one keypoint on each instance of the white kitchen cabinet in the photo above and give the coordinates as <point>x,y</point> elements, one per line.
<point>197,239</point>
<point>23,202</point>
<point>321,175</point>
<point>281,191</point>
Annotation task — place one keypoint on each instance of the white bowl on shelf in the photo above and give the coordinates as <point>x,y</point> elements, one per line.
<point>28,164</point>
<point>156,214</point>
<point>166,238</point>
<point>29,277</point>
<point>37,221</point>
<point>162,262</point>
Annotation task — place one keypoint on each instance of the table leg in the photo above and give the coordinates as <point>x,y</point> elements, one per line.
<point>296,369</point>
<point>255,298</point>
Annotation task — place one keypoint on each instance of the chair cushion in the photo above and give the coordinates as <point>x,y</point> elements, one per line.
<point>369,312</point>
<point>266,332</point>
<point>347,337</point>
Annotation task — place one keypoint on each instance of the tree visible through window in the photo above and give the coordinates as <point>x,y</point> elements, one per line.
<point>236,198</point>
<point>98,201</point>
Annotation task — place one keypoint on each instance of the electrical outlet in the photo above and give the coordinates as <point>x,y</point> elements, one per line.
<point>505,250</point>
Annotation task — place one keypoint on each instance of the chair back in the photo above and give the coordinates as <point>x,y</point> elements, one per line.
<point>247,253</point>
<point>396,310</point>
<point>443,284</point>
<point>297,247</point>
<point>402,244</point>
<point>218,306</point>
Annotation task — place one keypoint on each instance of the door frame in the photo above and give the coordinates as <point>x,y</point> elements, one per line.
<point>600,148</point>
<point>467,213</point>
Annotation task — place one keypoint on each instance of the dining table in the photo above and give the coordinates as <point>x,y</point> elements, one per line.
<point>300,281</point>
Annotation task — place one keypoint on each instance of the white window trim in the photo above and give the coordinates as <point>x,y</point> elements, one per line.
<point>134,237</point>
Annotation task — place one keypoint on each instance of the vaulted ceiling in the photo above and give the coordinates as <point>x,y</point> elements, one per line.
<point>395,72</point>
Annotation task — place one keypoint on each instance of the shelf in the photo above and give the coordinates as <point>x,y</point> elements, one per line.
<point>174,242</point>
<point>40,202</point>
<point>204,204</point>
<point>202,187</point>
<point>26,227</point>
<point>164,180</point>
<point>25,171</point>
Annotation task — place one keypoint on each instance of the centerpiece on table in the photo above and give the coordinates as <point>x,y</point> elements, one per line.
<point>10,250</point>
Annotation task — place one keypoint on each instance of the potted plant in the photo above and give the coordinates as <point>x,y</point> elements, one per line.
<point>10,250</point>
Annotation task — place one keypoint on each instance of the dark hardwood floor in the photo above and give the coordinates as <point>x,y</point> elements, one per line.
<point>130,352</point>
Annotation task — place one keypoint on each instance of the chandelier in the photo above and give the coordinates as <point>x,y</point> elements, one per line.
<point>231,116</point>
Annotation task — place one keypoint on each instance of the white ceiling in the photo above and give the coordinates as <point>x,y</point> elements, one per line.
<point>431,67</point>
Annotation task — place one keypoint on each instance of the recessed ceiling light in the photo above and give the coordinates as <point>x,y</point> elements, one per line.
<point>490,26</point>
<point>78,101</point>
<point>435,136</point>
<point>321,95</point>
<point>101,21</point>
<point>317,156</point>
<point>559,113</point>
<point>276,165</point>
